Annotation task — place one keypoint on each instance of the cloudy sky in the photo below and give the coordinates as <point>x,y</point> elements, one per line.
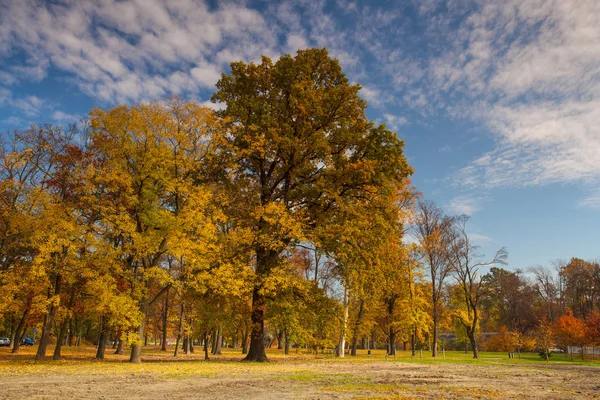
<point>498,101</point>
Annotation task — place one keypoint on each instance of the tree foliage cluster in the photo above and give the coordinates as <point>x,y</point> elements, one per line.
<point>281,218</point>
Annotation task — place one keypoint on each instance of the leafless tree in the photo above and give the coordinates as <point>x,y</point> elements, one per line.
<point>465,263</point>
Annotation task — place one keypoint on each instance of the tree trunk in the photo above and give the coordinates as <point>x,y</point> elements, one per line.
<point>391,347</point>
<point>287,342</point>
<point>179,331</point>
<point>361,311</point>
<point>342,342</point>
<point>257,337</point>
<point>265,260</point>
<point>102,340</point>
<point>245,341</point>
<point>163,346</point>
<point>392,342</point>
<point>48,321</point>
<point>217,339</point>
<point>136,348</point>
<point>413,339</point>
<point>205,345</point>
<point>471,335</point>
<point>434,348</point>
<point>16,343</point>
<point>280,340</point>
<point>63,328</point>
<point>119,346</point>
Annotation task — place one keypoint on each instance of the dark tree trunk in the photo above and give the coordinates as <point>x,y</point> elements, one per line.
<point>217,341</point>
<point>48,322</point>
<point>119,346</point>
<point>471,335</point>
<point>63,329</point>
<point>102,340</point>
<point>205,345</point>
<point>179,331</point>
<point>413,339</point>
<point>361,311</point>
<point>163,346</point>
<point>257,338</point>
<point>392,342</point>
<point>70,335</point>
<point>186,339</point>
<point>287,343</point>
<point>280,340</point>
<point>265,261</point>
<point>245,341</point>
<point>392,334</point>
<point>16,343</point>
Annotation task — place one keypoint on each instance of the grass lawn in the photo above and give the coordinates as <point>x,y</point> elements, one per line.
<point>298,375</point>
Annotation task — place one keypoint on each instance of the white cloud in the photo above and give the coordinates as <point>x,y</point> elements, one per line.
<point>394,122</point>
<point>464,204</point>
<point>479,238</point>
<point>591,201</point>
<point>535,66</point>
<point>65,118</point>
<point>29,105</point>
<point>129,50</point>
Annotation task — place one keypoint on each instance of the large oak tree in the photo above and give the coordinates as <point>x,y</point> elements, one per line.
<point>301,150</point>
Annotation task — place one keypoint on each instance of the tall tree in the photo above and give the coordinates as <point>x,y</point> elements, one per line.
<point>466,263</point>
<point>432,230</point>
<point>301,148</point>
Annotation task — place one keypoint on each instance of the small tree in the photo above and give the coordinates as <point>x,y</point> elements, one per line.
<point>544,338</point>
<point>570,330</point>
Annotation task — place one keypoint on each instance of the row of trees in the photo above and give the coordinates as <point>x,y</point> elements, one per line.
<point>173,206</point>
<point>282,218</point>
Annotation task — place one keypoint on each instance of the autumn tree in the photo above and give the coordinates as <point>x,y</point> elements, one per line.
<point>432,230</point>
<point>570,331</point>
<point>147,181</point>
<point>301,148</point>
<point>466,263</point>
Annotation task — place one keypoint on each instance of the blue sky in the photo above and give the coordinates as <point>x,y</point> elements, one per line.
<point>498,101</point>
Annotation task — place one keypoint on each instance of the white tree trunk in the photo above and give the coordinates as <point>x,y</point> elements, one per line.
<point>342,343</point>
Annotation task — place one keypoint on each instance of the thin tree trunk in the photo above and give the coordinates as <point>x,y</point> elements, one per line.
<point>361,310</point>
<point>179,331</point>
<point>63,328</point>
<point>48,321</point>
<point>287,342</point>
<point>280,340</point>
<point>16,343</point>
<point>245,340</point>
<point>434,349</point>
<point>205,345</point>
<point>342,341</point>
<point>163,346</point>
<point>214,336</point>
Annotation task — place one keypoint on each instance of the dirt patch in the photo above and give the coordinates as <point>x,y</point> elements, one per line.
<point>296,378</point>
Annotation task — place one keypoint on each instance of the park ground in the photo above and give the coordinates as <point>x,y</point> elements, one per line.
<point>295,376</point>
